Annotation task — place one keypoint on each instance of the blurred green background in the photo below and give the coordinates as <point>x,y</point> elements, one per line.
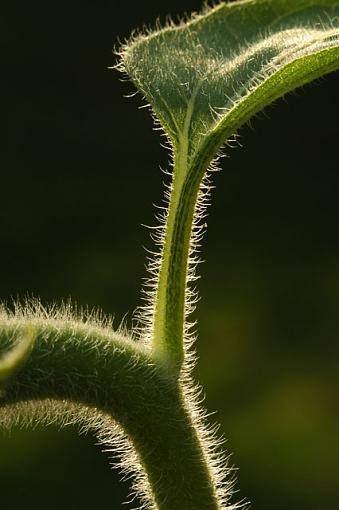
<point>79,172</point>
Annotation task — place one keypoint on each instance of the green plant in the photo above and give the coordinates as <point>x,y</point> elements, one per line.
<point>203,80</point>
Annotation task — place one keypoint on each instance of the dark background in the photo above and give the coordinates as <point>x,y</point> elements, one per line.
<point>79,172</point>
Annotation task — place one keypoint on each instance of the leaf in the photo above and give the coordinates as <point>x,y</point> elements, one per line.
<point>13,360</point>
<point>205,78</point>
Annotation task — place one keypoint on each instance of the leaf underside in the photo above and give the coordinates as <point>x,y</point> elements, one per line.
<point>206,77</point>
<point>203,80</point>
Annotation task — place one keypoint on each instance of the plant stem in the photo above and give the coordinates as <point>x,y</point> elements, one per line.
<point>170,301</point>
<point>140,395</point>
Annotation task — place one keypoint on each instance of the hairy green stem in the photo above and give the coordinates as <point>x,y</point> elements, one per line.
<point>124,382</point>
<point>13,359</point>
<point>169,314</point>
<point>203,79</point>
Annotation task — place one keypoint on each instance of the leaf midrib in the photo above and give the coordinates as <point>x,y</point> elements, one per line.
<point>183,138</point>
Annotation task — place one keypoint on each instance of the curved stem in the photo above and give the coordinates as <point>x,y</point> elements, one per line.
<point>99,369</point>
<point>13,359</point>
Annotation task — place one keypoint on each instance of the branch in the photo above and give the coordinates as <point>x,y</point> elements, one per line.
<point>88,365</point>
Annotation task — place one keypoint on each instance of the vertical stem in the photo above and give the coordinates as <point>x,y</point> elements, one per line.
<point>170,302</point>
<point>173,457</point>
<point>169,312</point>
